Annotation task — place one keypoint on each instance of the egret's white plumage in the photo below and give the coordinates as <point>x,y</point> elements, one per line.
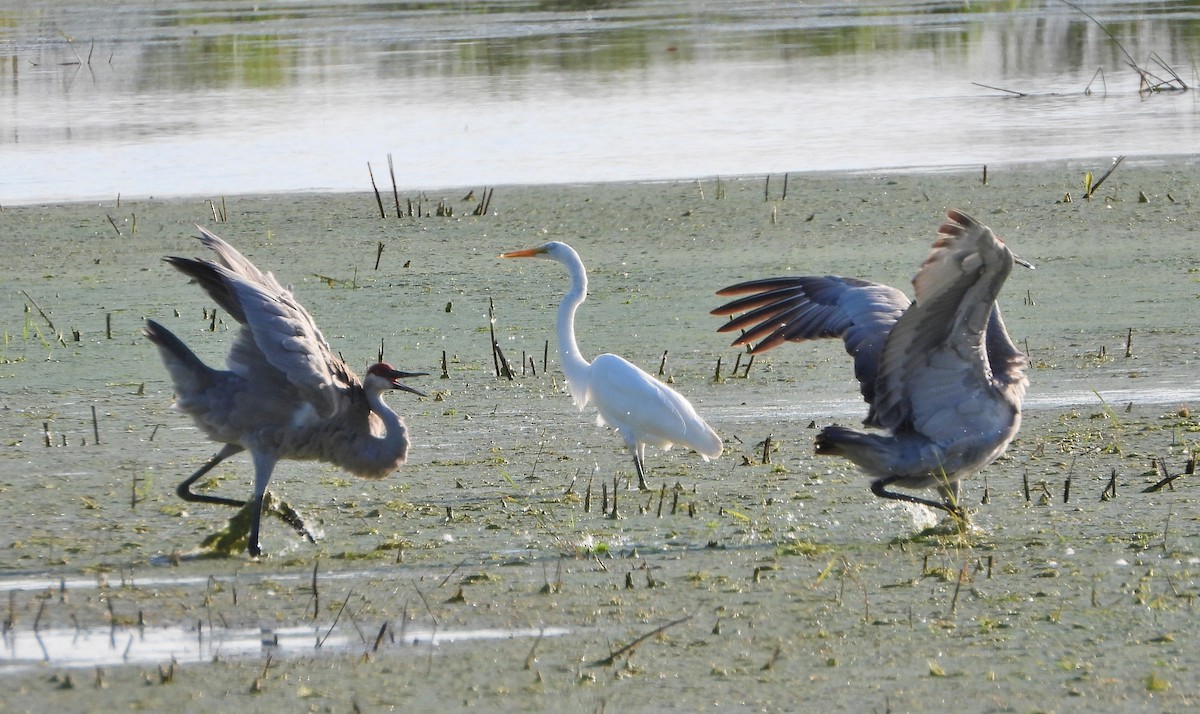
<point>641,408</point>
<point>285,394</point>
<point>940,375</point>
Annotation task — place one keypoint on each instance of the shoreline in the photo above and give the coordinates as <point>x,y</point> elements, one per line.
<point>1097,164</point>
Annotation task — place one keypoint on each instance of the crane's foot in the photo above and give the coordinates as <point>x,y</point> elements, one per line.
<point>879,488</point>
<point>241,532</point>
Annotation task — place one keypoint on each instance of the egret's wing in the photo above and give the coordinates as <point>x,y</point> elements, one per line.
<point>631,400</point>
<point>279,340</point>
<point>795,309</point>
<point>936,367</point>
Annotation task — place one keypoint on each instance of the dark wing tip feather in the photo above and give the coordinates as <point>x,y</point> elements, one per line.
<point>210,277</point>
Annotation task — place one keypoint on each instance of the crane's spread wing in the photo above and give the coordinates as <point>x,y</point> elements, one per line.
<point>632,401</point>
<point>279,340</point>
<point>937,367</point>
<point>795,309</point>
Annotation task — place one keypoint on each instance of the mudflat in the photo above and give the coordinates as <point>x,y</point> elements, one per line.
<point>510,564</point>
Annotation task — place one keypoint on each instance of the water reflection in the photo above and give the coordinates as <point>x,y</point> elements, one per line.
<point>21,651</point>
<point>213,97</point>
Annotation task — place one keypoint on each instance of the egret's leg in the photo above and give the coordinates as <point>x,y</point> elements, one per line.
<point>184,490</point>
<point>879,488</point>
<point>639,462</point>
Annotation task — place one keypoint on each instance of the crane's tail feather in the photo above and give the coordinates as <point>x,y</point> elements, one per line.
<point>188,371</point>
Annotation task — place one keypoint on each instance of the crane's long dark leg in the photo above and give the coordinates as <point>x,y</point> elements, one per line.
<point>879,488</point>
<point>264,465</point>
<point>184,490</point>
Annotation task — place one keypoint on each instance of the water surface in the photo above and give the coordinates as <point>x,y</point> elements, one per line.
<point>206,98</point>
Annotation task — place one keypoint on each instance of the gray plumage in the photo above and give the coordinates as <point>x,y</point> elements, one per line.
<point>285,395</point>
<point>940,375</point>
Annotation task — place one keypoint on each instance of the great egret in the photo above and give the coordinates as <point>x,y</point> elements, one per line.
<point>641,408</point>
<point>285,395</point>
<point>941,375</point>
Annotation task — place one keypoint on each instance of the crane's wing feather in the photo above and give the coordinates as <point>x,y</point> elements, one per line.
<point>937,365</point>
<point>280,339</point>
<point>795,309</point>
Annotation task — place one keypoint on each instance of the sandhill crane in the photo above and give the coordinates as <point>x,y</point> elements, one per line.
<point>285,394</point>
<point>941,375</point>
<point>642,409</point>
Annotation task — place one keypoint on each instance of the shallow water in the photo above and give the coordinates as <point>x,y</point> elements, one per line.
<point>798,586</point>
<point>218,98</point>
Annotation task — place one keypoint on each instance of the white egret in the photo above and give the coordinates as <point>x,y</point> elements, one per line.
<point>641,408</point>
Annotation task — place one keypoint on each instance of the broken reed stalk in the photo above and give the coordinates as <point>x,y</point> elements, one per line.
<point>717,371</point>
<point>767,189</point>
<point>612,658</point>
<point>378,198</point>
<point>1092,189</point>
<point>498,359</point>
<point>662,364</point>
<point>1161,466</point>
<point>49,322</point>
<point>545,355</point>
<point>337,617</point>
<point>1110,491</point>
<point>785,183</point>
<point>379,251</point>
<point>114,224</point>
<point>962,576</point>
<point>1001,89</point>
<point>1129,343</point>
<point>95,426</point>
<point>395,191</point>
<point>445,366</point>
<point>613,513</point>
<point>315,593</point>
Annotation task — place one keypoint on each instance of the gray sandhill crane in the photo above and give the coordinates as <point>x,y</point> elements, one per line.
<point>941,376</point>
<point>642,409</point>
<point>285,394</point>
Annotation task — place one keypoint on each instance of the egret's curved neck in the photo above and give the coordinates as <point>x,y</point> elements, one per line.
<point>573,361</point>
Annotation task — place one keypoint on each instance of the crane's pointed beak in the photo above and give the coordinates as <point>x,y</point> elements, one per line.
<point>526,253</point>
<point>1021,261</point>
<point>396,375</point>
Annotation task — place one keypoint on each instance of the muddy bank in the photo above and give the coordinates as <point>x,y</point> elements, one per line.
<point>790,586</point>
